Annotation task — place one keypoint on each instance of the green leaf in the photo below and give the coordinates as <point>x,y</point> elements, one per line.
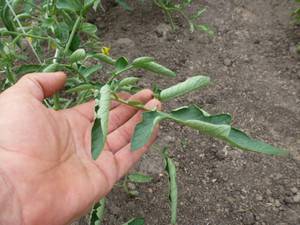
<point>124,5</point>
<point>101,122</point>
<point>204,28</point>
<point>104,58</point>
<point>144,129</point>
<point>62,32</point>
<point>241,140</point>
<point>75,43</point>
<point>78,55</point>
<point>121,64</point>
<point>52,68</point>
<point>128,81</point>
<point>173,193</point>
<point>214,125</point>
<point>89,71</point>
<point>139,178</point>
<point>156,68</point>
<point>6,17</point>
<point>135,221</point>
<point>97,213</point>
<point>74,5</point>
<point>199,13</point>
<point>96,138</point>
<point>81,87</point>
<point>138,62</point>
<point>191,84</point>
<point>29,68</point>
<point>88,28</point>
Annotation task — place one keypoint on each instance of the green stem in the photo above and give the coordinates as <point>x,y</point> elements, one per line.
<point>125,185</point>
<point>24,34</point>
<point>116,98</point>
<point>115,74</point>
<point>167,12</point>
<point>22,29</point>
<point>10,76</point>
<point>56,101</point>
<point>76,24</point>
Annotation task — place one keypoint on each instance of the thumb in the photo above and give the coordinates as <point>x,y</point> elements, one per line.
<point>41,85</point>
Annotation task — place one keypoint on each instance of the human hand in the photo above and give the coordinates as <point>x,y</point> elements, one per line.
<point>47,175</point>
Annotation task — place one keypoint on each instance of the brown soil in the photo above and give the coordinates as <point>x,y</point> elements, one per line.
<point>256,77</point>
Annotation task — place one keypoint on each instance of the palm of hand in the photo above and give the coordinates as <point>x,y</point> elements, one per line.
<point>45,154</point>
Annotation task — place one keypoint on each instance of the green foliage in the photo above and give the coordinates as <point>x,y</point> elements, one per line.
<point>135,221</point>
<point>172,7</point>
<point>139,178</point>
<point>96,215</point>
<point>218,126</point>
<point>296,13</point>
<point>191,84</point>
<point>171,170</point>
<point>101,126</point>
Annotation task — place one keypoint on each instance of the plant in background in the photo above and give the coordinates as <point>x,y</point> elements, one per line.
<point>54,35</point>
<point>171,7</point>
<point>296,13</point>
<point>296,17</point>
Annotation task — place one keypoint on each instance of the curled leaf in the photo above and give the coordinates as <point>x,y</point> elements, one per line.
<point>218,126</point>
<point>191,84</point>
<point>104,58</point>
<point>139,178</point>
<point>100,128</point>
<point>128,81</point>
<point>156,68</point>
<point>51,68</point>
<point>78,55</point>
<point>138,62</point>
<point>173,192</point>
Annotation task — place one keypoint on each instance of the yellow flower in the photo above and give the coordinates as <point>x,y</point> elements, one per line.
<point>29,39</point>
<point>52,45</point>
<point>105,50</point>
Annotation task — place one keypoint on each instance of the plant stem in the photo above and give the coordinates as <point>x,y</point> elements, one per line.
<point>25,35</point>
<point>56,101</point>
<point>10,76</point>
<point>167,12</point>
<point>76,24</point>
<point>23,31</point>
<point>115,74</point>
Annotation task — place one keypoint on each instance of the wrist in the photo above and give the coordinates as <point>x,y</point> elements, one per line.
<point>10,208</point>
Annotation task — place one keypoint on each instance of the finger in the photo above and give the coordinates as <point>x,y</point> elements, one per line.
<point>122,136</point>
<point>126,159</point>
<point>119,115</point>
<point>113,167</point>
<point>41,85</point>
<point>87,109</point>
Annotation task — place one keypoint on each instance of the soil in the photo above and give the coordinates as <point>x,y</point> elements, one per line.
<point>256,77</point>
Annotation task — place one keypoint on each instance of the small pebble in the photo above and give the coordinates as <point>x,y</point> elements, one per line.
<point>227,62</point>
<point>294,190</point>
<point>131,186</point>
<point>296,198</point>
<point>258,197</point>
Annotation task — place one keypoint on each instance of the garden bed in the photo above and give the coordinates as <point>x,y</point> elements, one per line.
<point>256,78</point>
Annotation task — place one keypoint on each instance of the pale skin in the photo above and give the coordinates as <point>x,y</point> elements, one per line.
<point>47,175</point>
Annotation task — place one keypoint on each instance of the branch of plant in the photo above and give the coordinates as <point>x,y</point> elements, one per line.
<point>74,29</point>
<point>23,31</point>
<point>26,35</point>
